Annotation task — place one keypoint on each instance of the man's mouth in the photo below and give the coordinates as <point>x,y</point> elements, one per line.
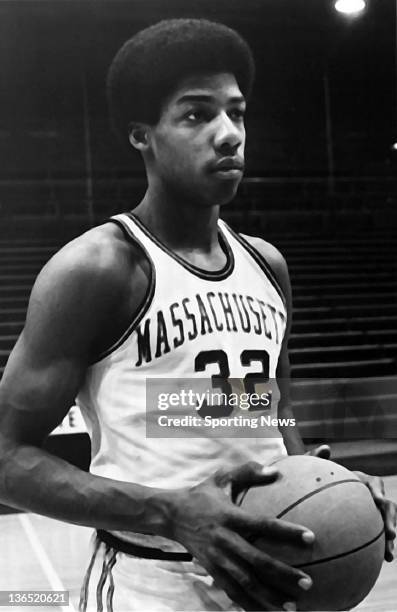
<point>229,163</point>
<point>229,167</point>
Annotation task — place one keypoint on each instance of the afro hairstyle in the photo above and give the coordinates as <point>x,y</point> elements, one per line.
<point>151,64</point>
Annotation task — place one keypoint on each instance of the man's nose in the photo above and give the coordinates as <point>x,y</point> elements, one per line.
<point>228,134</point>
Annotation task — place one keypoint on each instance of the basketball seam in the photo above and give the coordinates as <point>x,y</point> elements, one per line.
<point>242,495</point>
<point>344,554</point>
<point>323,488</point>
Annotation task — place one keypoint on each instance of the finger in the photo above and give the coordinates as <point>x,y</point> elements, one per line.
<point>274,529</point>
<point>389,555</point>
<point>375,485</point>
<point>238,595</point>
<point>390,516</point>
<point>250,585</point>
<point>322,452</point>
<point>388,511</point>
<point>253,474</point>
<point>245,476</point>
<point>377,488</point>
<point>390,519</point>
<point>271,573</point>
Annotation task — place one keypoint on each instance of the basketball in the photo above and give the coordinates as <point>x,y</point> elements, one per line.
<point>346,558</point>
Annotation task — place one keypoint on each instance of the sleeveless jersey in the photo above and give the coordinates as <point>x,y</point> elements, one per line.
<point>193,324</point>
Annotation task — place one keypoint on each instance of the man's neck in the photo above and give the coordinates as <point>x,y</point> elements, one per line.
<point>181,226</point>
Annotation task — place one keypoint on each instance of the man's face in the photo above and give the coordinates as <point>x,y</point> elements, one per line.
<point>197,146</point>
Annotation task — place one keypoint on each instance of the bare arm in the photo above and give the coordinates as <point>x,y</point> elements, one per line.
<point>71,300</point>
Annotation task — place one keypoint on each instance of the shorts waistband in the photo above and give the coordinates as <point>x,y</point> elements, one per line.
<point>145,552</point>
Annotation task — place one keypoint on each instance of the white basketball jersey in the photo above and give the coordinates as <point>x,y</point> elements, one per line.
<point>193,324</point>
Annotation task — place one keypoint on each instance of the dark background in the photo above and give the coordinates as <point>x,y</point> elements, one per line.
<point>51,50</point>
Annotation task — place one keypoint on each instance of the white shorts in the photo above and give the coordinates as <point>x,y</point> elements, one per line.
<point>117,582</point>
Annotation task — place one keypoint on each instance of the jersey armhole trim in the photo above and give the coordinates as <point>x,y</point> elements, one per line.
<point>145,305</point>
<point>261,261</point>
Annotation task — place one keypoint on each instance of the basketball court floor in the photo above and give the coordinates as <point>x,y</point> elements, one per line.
<point>38,553</point>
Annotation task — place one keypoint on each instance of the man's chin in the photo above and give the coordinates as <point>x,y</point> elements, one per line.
<point>220,193</point>
<point>227,194</point>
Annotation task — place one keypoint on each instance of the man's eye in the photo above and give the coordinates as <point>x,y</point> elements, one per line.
<point>237,114</point>
<point>195,116</point>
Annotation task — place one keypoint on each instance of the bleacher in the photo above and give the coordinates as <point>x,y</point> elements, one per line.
<point>343,345</point>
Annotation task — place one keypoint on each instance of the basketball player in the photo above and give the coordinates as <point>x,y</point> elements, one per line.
<point>166,291</point>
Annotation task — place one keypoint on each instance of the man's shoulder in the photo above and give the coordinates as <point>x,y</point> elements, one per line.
<point>88,289</point>
<point>101,252</point>
<point>97,271</point>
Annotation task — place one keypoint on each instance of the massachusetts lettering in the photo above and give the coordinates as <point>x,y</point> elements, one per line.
<point>206,314</point>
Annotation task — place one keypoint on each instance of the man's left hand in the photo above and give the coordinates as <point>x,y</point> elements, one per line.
<point>376,486</point>
<point>322,452</point>
<point>387,508</point>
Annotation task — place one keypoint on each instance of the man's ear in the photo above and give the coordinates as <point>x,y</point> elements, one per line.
<point>138,135</point>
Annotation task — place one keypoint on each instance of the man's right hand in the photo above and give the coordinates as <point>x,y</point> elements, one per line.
<point>218,534</point>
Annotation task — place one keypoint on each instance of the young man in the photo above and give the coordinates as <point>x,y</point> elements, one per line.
<point>168,291</point>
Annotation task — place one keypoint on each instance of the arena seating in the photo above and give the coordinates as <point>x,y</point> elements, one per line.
<point>343,345</point>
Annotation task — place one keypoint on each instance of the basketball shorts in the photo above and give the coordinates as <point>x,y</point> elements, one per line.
<point>120,582</point>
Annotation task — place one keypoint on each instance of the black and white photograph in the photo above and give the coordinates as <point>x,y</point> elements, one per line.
<point>198,305</point>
